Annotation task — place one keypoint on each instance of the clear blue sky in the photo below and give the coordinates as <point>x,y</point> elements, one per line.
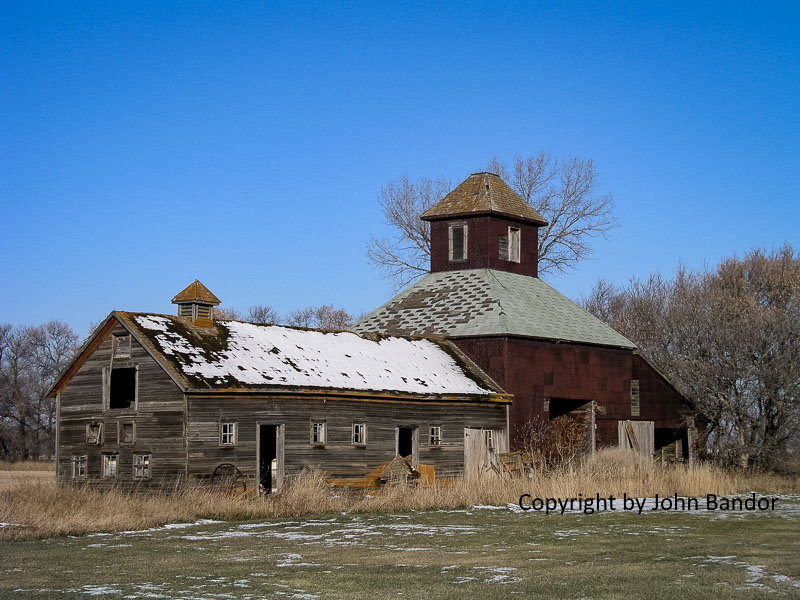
<point>144,146</point>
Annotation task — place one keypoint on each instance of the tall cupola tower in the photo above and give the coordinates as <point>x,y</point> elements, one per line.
<point>483,223</point>
<point>196,303</point>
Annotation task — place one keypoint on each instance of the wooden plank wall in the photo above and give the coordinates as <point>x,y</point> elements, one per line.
<point>158,418</point>
<point>338,458</point>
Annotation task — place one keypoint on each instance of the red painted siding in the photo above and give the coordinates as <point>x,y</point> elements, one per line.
<point>483,245</point>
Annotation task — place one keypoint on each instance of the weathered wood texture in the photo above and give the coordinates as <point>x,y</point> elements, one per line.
<point>535,370</point>
<point>158,418</point>
<point>338,458</point>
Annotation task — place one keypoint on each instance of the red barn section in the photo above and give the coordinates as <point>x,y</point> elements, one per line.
<point>484,294</point>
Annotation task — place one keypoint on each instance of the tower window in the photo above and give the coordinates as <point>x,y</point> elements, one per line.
<point>458,241</point>
<point>510,245</point>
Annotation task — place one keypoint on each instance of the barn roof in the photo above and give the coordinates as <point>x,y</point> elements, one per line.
<point>488,302</point>
<point>233,355</point>
<point>483,193</point>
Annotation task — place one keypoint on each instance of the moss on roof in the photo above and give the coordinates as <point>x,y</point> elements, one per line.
<point>483,193</point>
<point>196,292</point>
<point>478,302</point>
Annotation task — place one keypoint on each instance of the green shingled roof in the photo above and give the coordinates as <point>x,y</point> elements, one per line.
<point>488,302</point>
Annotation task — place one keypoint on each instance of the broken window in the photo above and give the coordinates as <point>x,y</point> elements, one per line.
<point>126,433</point>
<point>110,462</point>
<point>141,466</point>
<point>359,434</point>
<point>227,434</point>
<point>122,388</point>
<point>79,466</point>
<point>510,245</point>
<point>122,346</point>
<point>634,397</point>
<point>94,433</point>
<point>318,432</point>
<point>458,241</point>
<point>435,435</point>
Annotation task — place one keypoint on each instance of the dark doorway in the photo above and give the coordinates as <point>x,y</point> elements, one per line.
<point>405,441</point>
<point>122,392</point>
<point>267,458</point>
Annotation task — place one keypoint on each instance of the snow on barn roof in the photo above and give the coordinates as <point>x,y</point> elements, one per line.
<point>234,354</point>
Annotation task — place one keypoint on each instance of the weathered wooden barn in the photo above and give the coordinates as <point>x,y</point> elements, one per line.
<point>483,292</point>
<point>155,401</point>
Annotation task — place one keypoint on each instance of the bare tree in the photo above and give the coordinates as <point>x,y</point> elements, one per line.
<point>321,317</point>
<point>729,339</point>
<point>405,255</point>
<point>30,360</point>
<point>262,314</point>
<point>564,192</point>
<point>226,313</point>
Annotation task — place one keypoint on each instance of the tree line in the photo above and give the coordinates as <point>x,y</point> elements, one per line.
<point>729,339</point>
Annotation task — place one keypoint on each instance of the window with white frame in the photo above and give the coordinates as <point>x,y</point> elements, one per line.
<point>94,433</point>
<point>141,466</point>
<point>510,245</point>
<point>79,466</point>
<point>318,433</point>
<point>227,434</point>
<point>360,434</point>
<point>110,463</point>
<point>122,345</point>
<point>457,239</point>
<point>435,438</point>
<point>488,436</point>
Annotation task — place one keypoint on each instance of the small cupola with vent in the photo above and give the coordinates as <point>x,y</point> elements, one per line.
<point>196,304</point>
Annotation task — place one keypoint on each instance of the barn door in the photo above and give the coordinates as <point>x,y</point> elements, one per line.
<point>270,458</point>
<point>481,450</point>
<point>637,436</point>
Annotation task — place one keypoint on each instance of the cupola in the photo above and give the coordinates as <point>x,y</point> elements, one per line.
<point>483,223</point>
<point>196,303</point>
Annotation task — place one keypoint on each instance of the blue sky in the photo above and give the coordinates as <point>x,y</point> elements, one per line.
<point>144,146</point>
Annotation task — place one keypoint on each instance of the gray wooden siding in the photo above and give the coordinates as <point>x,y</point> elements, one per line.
<point>158,418</point>
<point>338,459</point>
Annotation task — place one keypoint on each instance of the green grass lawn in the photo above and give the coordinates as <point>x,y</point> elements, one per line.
<point>480,553</point>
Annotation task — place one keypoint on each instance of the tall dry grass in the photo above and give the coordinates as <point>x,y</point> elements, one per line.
<point>41,510</point>
<point>28,465</point>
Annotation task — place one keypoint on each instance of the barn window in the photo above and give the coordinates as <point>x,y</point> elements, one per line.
<point>318,433</point>
<point>94,433</point>
<point>360,434</point>
<point>510,245</point>
<point>126,433</point>
<point>458,241</point>
<point>488,436</point>
<point>122,346</point>
<point>227,434</point>
<point>435,438</point>
<point>122,388</point>
<point>110,462</point>
<point>141,466</point>
<point>634,397</point>
<point>79,466</point>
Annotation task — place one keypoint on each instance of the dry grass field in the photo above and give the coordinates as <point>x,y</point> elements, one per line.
<point>33,507</point>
